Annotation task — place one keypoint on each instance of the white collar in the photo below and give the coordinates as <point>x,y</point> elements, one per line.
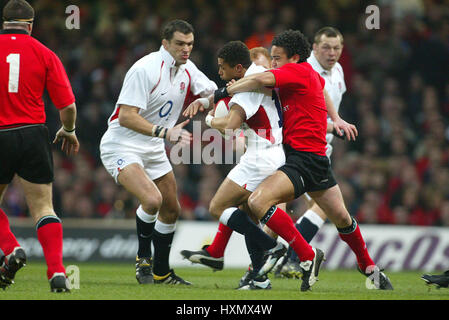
<point>317,66</point>
<point>167,57</point>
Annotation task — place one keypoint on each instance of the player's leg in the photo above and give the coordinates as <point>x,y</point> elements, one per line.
<point>308,224</point>
<point>7,239</point>
<point>229,194</point>
<point>136,181</point>
<point>164,230</point>
<point>331,201</point>
<point>11,252</point>
<point>49,230</point>
<point>278,188</point>
<point>311,221</point>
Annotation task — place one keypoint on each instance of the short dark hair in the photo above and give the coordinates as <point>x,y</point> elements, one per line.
<point>328,32</point>
<point>18,11</point>
<point>176,25</point>
<point>234,53</point>
<point>293,42</point>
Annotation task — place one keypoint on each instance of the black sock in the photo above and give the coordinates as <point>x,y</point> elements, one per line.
<point>162,245</point>
<point>240,222</point>
<point>255,253</point>
<point>144,235</point>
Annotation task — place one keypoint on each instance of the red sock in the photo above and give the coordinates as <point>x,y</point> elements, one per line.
<point>281,223</point>
<point>49,234</point>
<point>7,239</point>
<point>218,246</point>
<point>357,244</point>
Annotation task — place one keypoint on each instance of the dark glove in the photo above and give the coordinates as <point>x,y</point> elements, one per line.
<point>220,93</point>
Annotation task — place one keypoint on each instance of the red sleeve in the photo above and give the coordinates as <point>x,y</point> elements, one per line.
<point>290,76</point>
<point>57,83</point>
<point>322,81</point>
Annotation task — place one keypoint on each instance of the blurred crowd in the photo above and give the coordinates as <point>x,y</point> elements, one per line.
<point>397,172</point>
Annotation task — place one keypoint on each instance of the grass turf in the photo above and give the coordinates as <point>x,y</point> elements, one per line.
<point>116,281</point>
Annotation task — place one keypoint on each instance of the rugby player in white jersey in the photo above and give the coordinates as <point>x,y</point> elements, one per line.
<point>327,49</point>
<point>258,115</point>
<point>133,150</point>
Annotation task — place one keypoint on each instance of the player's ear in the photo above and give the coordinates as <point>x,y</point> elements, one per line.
<point>314,46</point>
<point>239,68</point>
<point>295,58</point>
<point>165,43</point>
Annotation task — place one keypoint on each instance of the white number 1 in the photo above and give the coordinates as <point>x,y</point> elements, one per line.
<point>14,66</point>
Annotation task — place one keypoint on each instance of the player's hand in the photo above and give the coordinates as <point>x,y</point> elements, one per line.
<point>193,109</point>
<point>349,129</point>
<point>178,134</point>
<point>70,145</point>
<point>231,82</point>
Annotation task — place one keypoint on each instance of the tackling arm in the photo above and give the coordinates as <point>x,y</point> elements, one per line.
<point>254,82</point>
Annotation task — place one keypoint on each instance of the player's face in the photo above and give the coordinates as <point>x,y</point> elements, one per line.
<point>227,72</point>
<point>262,60</point>
<point>279,57</point>
<point>180,46</point>
<point>328,51</point>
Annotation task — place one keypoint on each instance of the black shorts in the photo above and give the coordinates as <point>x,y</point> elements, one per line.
<point>307,171</point>
<point>27,152</point>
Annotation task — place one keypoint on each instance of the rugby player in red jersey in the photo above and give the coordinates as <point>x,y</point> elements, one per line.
<point>27,67</point>
<point>307,169</point>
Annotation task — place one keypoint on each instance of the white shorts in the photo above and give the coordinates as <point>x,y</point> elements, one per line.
<point>255,167</point>
<point>116,157</point>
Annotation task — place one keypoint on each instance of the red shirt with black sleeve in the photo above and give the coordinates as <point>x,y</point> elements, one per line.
<point>27,68</point>
<point>304,109</point>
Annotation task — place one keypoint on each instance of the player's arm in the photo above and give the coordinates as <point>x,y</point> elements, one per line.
<point>130,118</point>
<point>253,82</point>
<point>200,104</point>
<point>232,121</point>
<point>70,144</point>
<point>340,126</point>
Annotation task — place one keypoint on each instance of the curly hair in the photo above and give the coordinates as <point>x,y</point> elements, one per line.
<point>293,42</point>
<point>234,53</point>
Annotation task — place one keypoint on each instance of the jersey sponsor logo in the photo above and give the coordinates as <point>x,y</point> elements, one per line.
<point>165,109</point>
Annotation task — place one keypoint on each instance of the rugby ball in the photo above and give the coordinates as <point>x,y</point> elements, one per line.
<point>221,110</point>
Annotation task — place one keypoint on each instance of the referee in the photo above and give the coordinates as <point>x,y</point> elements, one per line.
<point>27,67</point>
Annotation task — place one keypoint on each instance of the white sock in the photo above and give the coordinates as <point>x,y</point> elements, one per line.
<point>145,217</point>
<point>227,213</point>
<point>313,217</point>
<point>164,228</point>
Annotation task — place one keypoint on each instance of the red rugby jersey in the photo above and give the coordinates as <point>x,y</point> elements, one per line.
<point>304,109</point>
<point>27,67</point>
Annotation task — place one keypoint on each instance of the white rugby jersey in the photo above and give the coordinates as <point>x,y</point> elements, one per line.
<point>263,125</point>
<point>159,89</point>
<point>335,84</point>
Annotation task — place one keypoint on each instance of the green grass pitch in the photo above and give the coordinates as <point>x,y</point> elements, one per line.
<point>116,281</point>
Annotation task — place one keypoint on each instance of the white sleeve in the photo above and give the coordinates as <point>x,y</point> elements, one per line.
<point>249,101</point>
<point>343,77</point>
<point>136,88</point>
<point>200,84</point>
